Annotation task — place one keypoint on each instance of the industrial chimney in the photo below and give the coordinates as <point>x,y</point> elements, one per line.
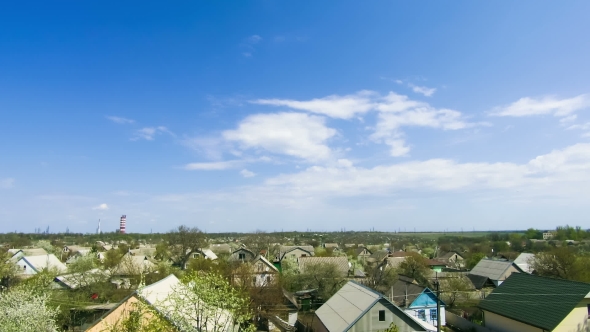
<point>122,224</point>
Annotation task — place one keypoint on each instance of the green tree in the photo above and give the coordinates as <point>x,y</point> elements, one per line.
<point>454,288</point>
<point>415,266</point>
<point>533,234</point>
<point>562,262</point>
<point>473,259</point>
<point>208,302</point>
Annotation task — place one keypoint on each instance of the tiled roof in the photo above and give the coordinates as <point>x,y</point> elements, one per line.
<point>536,301</point>
<point>340,262</point>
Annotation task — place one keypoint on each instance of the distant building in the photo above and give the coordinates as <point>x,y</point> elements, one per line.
<point>548,235</point>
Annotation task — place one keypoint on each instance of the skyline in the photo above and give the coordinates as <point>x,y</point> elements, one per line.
<point>269,116</point>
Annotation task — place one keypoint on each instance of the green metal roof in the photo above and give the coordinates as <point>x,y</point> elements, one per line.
<point>536,301</point>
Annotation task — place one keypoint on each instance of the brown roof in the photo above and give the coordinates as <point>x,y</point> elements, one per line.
<point>434,262</point>
<point>399,254</point>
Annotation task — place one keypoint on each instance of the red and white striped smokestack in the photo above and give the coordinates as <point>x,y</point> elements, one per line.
<point>122,224</point>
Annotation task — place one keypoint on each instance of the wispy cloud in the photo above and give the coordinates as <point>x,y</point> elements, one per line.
<point>247,174</point>
<point>7,183</point>
<point>120,120</point>
<point>544,105</point>
<point>335,106</point>
<point>248,45</point>
<point>426,91</point>
<point>214,166</point>
<point>102,207</point>
<point>149,133</point>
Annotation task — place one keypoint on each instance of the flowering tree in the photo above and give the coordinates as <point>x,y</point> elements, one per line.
<point>24,310</point>
<point>207,302</point>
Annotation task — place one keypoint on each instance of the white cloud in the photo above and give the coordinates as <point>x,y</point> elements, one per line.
<point>7,183</point>
<point>247,174</point>
<point>426,91</point>
<point>213,166</point>
<point>394,112</point>
<point>120,120</point>
<point>546,105</point>
<point>335,106</point>
<point>585,126</point>
<point>149,133</point>
<point>561,170</point>
<point>398,147</point>
<point>102,207</point>
<point>293,134</point>
<point>568,119</point>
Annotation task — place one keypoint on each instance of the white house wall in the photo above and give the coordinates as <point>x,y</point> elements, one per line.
<point>577,320</point>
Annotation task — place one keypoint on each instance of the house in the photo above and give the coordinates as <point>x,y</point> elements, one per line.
<point>417,301</point>
<point>159,296</point>
<point>527,302</point>
<point>436,265</point>
<point>18,253</point>
<point>341,263</point>
<point>292,305</point>
<point>221,248</point>
<point>74,249</point>
<point>333,246</point>
<point>134,265</point>
<point>525,262</point>
<point>295,252</point>
<point>452,259</point>
<point>362,253</point>
<point>30,265</point>
<point>77,280</point>
<point>548,235</point>
<point>491,273</point>
<point>205,253</point>
<point>264,272</point>
<point>242,255</point>
<point>356,308</point>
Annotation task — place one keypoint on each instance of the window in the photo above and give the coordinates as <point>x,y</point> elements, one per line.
<point>242,256</point>
<point>588,310</point>
<point>422,315</point>
<point>433,315</point>
<point>254,280</point>
<point>381,315</point>
<point>268,280</point>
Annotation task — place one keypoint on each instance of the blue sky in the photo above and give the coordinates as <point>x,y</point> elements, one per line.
<point>294,115</point>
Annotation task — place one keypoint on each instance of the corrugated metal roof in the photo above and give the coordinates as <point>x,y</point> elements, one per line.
<point>345,307</point>
<point>524,261</point>
<point>491,268</point>
<point>537,301</point>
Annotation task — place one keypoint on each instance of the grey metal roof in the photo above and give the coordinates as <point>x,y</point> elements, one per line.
<point>346,306</point>
<point>492,269</point>
<point>524,261</point>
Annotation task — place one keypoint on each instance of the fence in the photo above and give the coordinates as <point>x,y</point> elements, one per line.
<point>463,324</point>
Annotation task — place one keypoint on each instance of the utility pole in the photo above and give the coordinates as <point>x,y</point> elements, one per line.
<point>437,304</point>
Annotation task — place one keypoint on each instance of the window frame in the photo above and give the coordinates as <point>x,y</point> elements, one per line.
<point>381,315</point>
